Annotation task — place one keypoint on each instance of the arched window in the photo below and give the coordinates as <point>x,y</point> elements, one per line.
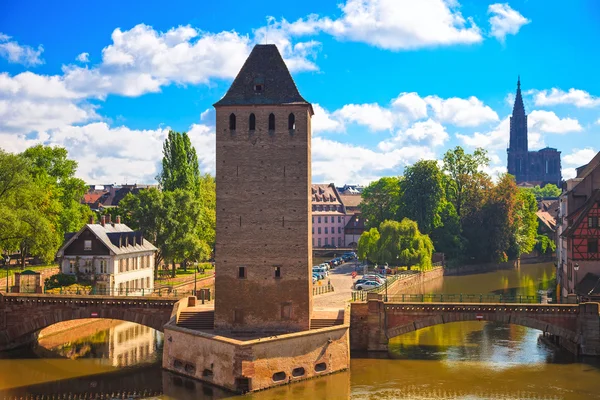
<point>271,122</point>
<point>232,121</point>
<point>252,122</point>
<point>291,122</point>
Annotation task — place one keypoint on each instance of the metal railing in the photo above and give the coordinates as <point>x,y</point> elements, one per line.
<point>322,289</point>
<point>124,292</point>
<point>456,298</point>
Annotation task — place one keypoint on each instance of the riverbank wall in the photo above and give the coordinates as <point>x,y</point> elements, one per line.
<point>481,268</point>
<point>416,280</point>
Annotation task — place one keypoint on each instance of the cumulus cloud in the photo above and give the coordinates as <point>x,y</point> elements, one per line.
<point>375,117</point>
<point>461,112</point>
<point>499,138</point>
<point>548,121</point>
<point>428,133</point>
<point>505,20</point>
<point>579,157</point>
<point>323,121</point>
<point>83,57</point>
<point>554,96</point>
<point>401,24</point>
<point>411,105</point>
<point>20,54</point>
<point>360,164</point>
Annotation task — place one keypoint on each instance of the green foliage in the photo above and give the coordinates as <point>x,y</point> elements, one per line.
<point>397,243</point>
<point>463,174</point>
<point>447,237</point>
<point>380,201</point>
<point>544,245</point>
<point>422,194</point>
<point>59,280</point>
<point>367,245</point>
<point>548,190</point>
<point>180,169</point>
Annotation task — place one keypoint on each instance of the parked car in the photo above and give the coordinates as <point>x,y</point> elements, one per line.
<point>358,282</point>
<point>315,279</point>
<point>373,277</point>
<point>322,271</point>
<point>368,285</point>
<point>317,276</point>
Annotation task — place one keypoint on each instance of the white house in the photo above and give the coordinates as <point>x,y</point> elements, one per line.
<point>119,260</point>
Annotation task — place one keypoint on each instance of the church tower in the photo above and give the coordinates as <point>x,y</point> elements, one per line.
<point>263,280</point>
<point>518,148</point>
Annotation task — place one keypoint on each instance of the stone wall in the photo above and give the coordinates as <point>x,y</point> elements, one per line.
<point>265,362</point>
<point>263,220</point>
<point>400,285</point>
<point>481,268</point>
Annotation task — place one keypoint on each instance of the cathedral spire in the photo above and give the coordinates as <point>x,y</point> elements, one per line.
<point>518,108</point>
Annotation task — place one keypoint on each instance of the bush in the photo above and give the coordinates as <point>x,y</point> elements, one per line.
<point>59,280</point>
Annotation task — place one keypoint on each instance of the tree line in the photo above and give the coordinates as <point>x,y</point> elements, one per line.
<point>463,213</point>
<point>40,201</point>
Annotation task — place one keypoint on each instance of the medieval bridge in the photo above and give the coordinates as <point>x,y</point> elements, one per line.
<point>374,322</point>
<point>23,315</point>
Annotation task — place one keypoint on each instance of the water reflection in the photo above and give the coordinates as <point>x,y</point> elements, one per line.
<point>466,360</point>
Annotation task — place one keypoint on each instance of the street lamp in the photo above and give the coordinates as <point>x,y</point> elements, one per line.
<point>7,264</point>
<point>195,271</point>
<point>576,268</point>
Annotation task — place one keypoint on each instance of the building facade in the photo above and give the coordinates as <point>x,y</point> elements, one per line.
<point>263,249</point>
<point>578,255</point>
<point>328,217</point>
<point>117,259</point>
<point>353,229</point>
<point>534,167</point>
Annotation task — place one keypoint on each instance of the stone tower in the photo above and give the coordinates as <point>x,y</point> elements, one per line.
<point>263,248</point>
<point>518,148</point>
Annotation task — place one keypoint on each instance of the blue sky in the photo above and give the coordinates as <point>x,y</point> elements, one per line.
<point>392,81</point>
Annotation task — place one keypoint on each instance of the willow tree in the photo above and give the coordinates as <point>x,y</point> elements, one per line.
<point>401,243</point>
<point>368,245</point>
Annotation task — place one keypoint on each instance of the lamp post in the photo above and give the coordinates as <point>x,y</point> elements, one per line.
<point>6,265</point>
<point>576,268</point>
<point>195,271</point>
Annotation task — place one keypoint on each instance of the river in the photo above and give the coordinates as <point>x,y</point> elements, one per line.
<point>464,360</point>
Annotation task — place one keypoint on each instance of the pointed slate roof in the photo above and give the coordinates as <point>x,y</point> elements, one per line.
<point>518,107</point>
<point>264,66</point>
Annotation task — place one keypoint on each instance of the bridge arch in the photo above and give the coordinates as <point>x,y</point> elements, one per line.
<point>22,316</point>
<point>424,322</point>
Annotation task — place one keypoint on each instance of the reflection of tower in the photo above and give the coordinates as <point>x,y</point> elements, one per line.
<point>131,343</point>
<point>518,149</point>
<point>263,244</point>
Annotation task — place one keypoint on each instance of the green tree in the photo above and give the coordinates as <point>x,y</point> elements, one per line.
<point>447,237</point>
<point>180,169</point>
<point>462,170</point>
<point>380,200</point>
<point>401,243</point>
<point>50,167</point>
<point>544,245</point>
<point>422,194</point>
<point>547,191</point>
<point>367,245</point>
<point>525,223</point>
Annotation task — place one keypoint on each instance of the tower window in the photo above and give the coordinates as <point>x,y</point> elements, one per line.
<point>252,122</point>
<point>241,272</point>
<point>232,122</point>
<point>291,122</point>
<point>277,271</point>
<point>271,122</point>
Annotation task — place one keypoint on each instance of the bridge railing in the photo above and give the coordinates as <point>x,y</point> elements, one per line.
<point>455,298</point>
<point>201,293</point>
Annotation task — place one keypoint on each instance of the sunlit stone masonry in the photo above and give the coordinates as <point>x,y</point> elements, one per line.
<point>262,331</point>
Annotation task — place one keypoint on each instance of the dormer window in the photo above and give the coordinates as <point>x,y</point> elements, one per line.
<point>258,88</point>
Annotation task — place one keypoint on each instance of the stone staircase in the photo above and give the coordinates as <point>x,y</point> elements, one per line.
<point>197,320</point>
<point>318,323</point>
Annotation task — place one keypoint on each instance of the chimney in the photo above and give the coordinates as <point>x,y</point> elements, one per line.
<point>91,221</point>
<point>118,219</point>
<point>108,221</point>
<point>103,220</point>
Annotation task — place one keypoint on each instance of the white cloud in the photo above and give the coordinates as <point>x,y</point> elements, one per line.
<point>18,54</point>
<point>323,121</point>
<point>497,138</point>
<point>371,115</point>
<point>598,122</point>
<point>401,24</point>
<point>554,96</point>
<point>429,133</point>
<point>505,20</point>
<point>83,57</point>
<point>461,112</point>
<point>548,121</point>
<point>411,105</point>
<point>360,164</point>
<point>569,173</point>
<point>579,157</point>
